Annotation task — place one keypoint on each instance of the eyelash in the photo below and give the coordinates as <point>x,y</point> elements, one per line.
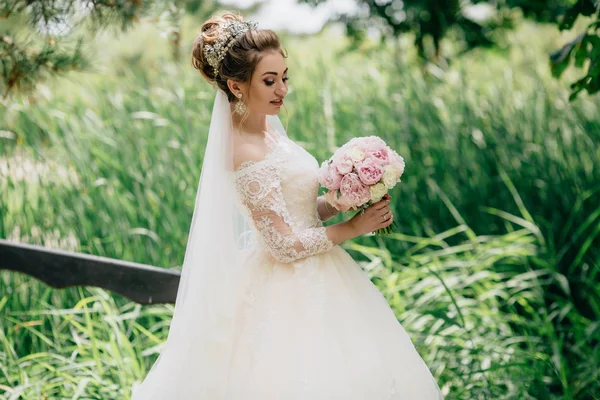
<point>269,83</point>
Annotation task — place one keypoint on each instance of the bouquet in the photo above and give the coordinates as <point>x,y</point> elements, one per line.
<point>359,174</point>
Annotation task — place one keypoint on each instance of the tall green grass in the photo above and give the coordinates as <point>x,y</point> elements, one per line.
<point>494,270</point>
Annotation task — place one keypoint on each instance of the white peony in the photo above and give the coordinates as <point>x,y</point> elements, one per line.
<point>391,175</point>
<point>378,190</point>
<point>356,154</point>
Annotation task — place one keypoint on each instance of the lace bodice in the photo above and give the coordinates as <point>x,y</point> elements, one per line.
<point>279,195</point>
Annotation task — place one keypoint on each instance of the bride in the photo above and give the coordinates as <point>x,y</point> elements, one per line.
<point>269,306</point>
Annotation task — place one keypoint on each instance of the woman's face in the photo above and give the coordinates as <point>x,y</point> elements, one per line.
<point>268,86</point>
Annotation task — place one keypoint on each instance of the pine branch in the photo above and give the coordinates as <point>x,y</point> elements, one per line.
<point>100,12</point>
<point>22,68</point>
<point>24,63</point>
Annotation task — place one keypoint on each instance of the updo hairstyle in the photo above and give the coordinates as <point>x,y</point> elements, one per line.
<point>240,61</point>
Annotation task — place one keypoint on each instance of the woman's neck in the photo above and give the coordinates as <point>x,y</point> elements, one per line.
<point>253,124</point>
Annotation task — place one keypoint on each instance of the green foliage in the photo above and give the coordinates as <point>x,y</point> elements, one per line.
<point>57,32</point>
<point>549,11</point>
<point>437,19</point>
<point>22,67</point>
<point>24,62</point>
<point>494,272</point>
<point>424,18</point>
<point>583,50</point>
<point>48,12</point>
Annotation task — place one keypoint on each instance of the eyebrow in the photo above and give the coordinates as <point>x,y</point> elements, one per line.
<point>274,73</point>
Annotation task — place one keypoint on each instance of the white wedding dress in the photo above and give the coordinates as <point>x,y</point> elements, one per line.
<point>310,324</point>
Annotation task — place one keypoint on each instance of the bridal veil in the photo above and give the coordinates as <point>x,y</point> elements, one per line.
<point>193,364</point>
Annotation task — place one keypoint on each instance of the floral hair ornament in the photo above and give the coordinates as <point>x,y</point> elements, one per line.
<point>229,32</point>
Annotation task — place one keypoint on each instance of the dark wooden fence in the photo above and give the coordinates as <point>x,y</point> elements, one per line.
<point>141,283</point>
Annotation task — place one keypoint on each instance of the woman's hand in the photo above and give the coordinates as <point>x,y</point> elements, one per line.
<point>377,216</point>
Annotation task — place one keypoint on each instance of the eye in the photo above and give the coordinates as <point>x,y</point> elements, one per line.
<point>269,83</point>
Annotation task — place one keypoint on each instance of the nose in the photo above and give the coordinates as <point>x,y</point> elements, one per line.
<point>281,91</point>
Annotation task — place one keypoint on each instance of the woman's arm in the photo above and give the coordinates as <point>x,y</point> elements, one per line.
<point>325,210</point>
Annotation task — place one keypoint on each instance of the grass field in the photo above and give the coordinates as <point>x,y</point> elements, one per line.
<point>494,271</point>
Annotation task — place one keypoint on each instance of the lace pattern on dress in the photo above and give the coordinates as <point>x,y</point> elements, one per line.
<point>259,187</point>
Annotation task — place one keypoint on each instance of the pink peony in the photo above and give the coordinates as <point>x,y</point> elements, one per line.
<point>333,197</point>
<point>369,171</point>
<point>353,142</point>
<point>323,172</point>
<point>343,163</point>
<point>397,161</point>
<point>373,142</point>
<point>346,204</point>
<point>329,177</point>
<point>354,190</point>
<point>379,155</point>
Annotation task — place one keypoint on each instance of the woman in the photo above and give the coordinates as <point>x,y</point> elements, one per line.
<point>269,305</point>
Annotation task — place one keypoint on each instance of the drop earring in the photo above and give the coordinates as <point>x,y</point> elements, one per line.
<point>240,107</point>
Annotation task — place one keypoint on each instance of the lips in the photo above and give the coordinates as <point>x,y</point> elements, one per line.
<point>277,102</point>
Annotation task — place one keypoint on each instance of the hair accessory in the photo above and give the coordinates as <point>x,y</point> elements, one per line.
<point>228,34</point>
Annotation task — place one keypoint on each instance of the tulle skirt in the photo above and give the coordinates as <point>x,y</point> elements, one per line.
<point>318,329</point>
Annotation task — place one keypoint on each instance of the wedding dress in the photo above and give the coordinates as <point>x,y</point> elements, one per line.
<point>267,307</point>
<point>311,325</point>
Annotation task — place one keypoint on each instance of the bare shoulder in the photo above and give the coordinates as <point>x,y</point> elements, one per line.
<point>247,151</point>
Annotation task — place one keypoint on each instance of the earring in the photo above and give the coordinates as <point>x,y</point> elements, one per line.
<point>240,107</point>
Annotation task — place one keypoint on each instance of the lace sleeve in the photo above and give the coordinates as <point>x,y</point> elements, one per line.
<point>259,186</point>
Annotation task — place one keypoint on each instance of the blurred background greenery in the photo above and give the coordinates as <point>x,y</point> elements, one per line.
<point>493,271</point>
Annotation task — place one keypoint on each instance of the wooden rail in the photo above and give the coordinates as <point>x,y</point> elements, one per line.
<point>141,283</point>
